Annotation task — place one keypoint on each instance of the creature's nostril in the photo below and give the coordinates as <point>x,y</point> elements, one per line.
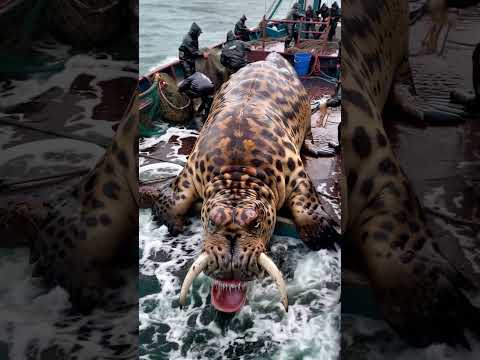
<point>230,238</point>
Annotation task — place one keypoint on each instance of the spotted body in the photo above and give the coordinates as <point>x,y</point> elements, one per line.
<point>419,291</point>
<point>245,166</point>
<point>90,230</point>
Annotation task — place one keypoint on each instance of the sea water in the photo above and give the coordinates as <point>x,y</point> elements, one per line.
<point>36,321</point>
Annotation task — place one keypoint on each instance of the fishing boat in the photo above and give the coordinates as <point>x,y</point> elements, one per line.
<point>319,78</point>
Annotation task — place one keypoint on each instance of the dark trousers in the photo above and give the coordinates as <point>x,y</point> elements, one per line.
<point>309,27</point>
<point>206,104</point>
<point>292,35</point>
<point>188,67</point>
<point>333,27</point>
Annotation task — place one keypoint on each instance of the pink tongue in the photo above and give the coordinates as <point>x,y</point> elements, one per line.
<point>230,299</point>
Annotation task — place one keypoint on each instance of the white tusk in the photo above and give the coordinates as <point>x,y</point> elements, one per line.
<point>267,263</point>
<point>196,268</point>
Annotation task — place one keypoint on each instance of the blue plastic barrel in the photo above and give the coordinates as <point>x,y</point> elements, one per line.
<point>302,63</point>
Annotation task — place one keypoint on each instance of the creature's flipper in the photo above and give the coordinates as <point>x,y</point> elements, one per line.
<point>403,96</point>
<point>315,226</point>
<point>175,199</point>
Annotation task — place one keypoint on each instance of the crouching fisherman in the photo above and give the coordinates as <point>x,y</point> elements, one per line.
<point>200,86</point>
<point>234,53</point>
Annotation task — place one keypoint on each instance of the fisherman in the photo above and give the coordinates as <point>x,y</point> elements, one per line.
<point>334,18</point>
<point>324,13</point>
<point>199,85</point>
<point>234,53</point>
<point>241,31</point>
<point>188,50</point>
<point>310,15</point>
<point>293,14</point>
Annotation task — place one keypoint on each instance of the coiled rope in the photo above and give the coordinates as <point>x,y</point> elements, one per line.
<point>170,103</point>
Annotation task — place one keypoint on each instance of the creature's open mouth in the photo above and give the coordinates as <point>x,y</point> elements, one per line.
<point>229,295</point>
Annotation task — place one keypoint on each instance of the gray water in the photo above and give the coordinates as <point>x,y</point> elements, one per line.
<point>163,24</point>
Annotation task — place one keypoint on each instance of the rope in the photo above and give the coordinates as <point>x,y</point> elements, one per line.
<point>316,64</point>
<point>50,132</point>
<point>172,105</point>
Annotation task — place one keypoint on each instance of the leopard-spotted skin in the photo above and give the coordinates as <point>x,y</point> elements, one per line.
<point>91,230</point>
<point>245,166</point>
<point>384,225</point>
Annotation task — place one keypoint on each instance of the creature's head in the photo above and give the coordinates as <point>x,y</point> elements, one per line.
<point>230,36</point>
<point>243,18</point>
<point>195,30</point>
<point>237,227</point>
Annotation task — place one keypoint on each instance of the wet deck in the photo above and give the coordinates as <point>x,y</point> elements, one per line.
<point>442,162</point>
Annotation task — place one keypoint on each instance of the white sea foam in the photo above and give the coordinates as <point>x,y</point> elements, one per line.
<point>180,133</point>
<point>261,329</point>
<point>30,315</point>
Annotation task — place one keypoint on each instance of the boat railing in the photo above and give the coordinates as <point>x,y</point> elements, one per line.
<point>302,30</point>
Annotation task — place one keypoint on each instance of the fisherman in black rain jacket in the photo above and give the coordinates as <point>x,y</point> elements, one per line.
<point>199,85</point>
<point>334,18</point>
<point>310,15</point>
<point>293,14</point>
<point>188,50</point>
<point>234,53</point>
<point>324,13</point>
<point>241,31</point>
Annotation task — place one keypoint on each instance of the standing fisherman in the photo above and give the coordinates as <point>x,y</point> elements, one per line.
<point>334,18</point>
<point>241,31</point>
<point>310,15</point>
<point>324,13</point>
<point>188,50</point>
<point>293,14</point>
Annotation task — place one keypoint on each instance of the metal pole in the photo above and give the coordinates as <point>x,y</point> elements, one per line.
<point>264,26</point>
